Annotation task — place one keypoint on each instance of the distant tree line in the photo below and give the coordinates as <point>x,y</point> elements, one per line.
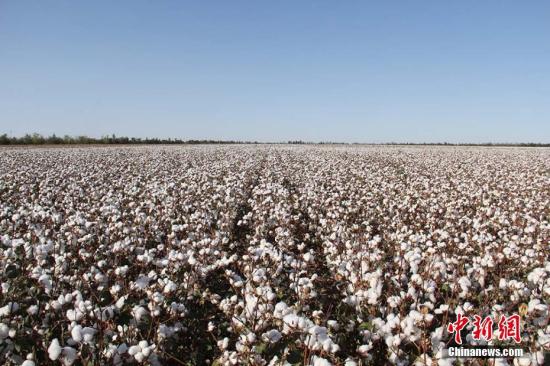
<point>38,139</point>
<point>525,144</point>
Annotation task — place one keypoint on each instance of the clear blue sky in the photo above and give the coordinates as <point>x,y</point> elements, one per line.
<point>358,71</point>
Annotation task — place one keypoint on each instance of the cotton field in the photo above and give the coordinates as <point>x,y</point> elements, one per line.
<point>269,254</point>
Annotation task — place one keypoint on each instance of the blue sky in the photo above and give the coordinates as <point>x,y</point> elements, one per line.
<point>357,71</point>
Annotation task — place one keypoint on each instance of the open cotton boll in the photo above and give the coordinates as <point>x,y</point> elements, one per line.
<point>319,361</point>
<point>8,309</point>
<point>139,313</point>
<point>54,350</point>
<point>272,336</point>
<point>223,344</point>
<point>120,302</point>
<point>4,331</point>
<point>76,333</point>
<point>74,314</point>
<point>133,350</point>
<point>69,356</point>
<point>522,361</point>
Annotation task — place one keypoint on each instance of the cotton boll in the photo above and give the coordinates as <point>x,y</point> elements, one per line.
<point>4,331</point>
<point>140,357</point>
<point>88,334</point>
<point>32,310</point>
<point>319,361</point>
<point>76,333</point>
<point>223,344</point>
<point>54,350</point>
<point>522,361</point>
<point>69,356</point>
<point>272,336</point>
<point>120,302</point>
<point>8,309</point>
<point>364,349</point>
<point>123,348</point>
<point>134,350</point>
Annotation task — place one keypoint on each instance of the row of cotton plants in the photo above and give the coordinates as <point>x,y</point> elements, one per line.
<point>270,254</point>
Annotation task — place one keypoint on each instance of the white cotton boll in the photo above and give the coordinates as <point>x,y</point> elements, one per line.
<point>61,299</point>
<point>389,340</point>
<point>281,309</point>
<point>170,287</point>
<point>115,289</point>
<point>45,281</point>
<point>4,311</point>
<point>28,363</point>
<point>121,349</point>
<point>291,320</point>
<point>464,284</point>
<point>364,349</point>
<point>542,338</point>
<point>106,313</point>
<point>467,306</point>
<point>139,313</point>
<point>333,324</point>
<point>143,344</point>
<point>120,302</point>
<point>100,278</point>
<point>69,356</point>
<point>76,333</point>
<point>158,298</point>
<point>4,331</point>
<point>140,357</point>
<point>258,275</point>
<point>522,361</point>
<point>32,310</point>
<point>319,361</point>
<point>142,282</point>
<point>8,309</point>
<point>271,296</point>
<point>272,336</point>
<point>326,344</point>
<point>535,305</point>
<point>251,338</point>
<point>223,344</point>
<point>71,315</point>
<point>88,334</point>
<point>54,350</point>
<point>424,360</point>
<point>538,357</point>
<point>133,350</point>
<point>350,362</point>
<point>442,308</point>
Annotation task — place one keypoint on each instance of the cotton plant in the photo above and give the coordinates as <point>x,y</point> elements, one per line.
<point>268,255</point>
